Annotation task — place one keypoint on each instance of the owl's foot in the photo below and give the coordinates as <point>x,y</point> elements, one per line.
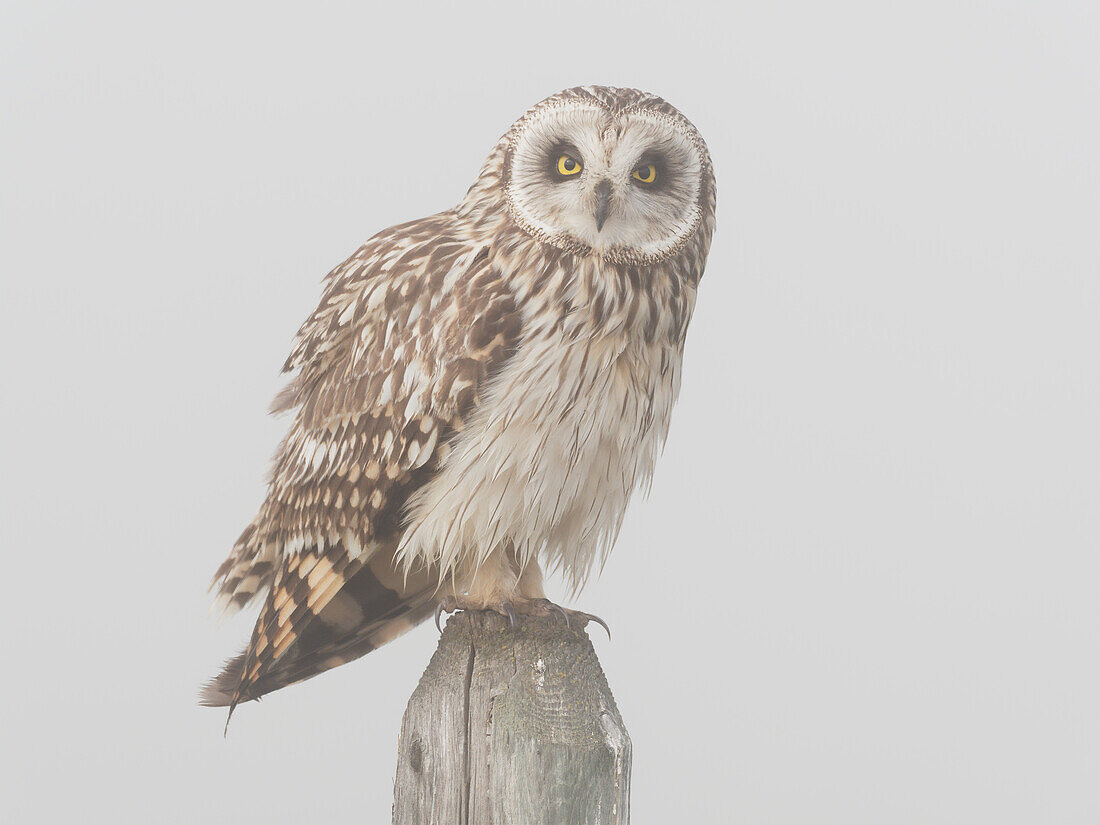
<point>450,604</point>
<point>524,607</point>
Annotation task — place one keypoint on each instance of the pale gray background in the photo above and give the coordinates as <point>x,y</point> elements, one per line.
<point>864,589</point>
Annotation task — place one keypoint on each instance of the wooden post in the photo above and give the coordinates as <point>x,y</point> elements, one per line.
<point>512,726</point>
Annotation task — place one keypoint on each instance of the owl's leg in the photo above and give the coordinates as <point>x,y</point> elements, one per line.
<point>492,585</point>
<point>528,578</point>
<point>499,580</point>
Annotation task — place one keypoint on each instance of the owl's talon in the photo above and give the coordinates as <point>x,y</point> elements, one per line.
<point>510,612</point>
<point>600,622</point>
<point>438,613</point>
<point>447,604</point>
<point>549,606</point>
<point>561,611</point>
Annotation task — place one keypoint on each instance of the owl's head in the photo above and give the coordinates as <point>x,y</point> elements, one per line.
<point>617,173</point>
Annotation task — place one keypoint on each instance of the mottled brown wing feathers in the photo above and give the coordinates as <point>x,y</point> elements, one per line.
<point>407,332</point>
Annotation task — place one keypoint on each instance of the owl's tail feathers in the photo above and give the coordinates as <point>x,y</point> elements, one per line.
<point>218,692</point>
<point>374,606</point>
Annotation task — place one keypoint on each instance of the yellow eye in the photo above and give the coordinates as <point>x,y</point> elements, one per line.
<point>646,173</point>
<point>568,166</point>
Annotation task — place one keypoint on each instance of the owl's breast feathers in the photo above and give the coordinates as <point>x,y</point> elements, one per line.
<point>570,425</point>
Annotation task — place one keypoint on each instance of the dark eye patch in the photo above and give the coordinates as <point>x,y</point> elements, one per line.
<point>551,161</point>
<point>660,163</point>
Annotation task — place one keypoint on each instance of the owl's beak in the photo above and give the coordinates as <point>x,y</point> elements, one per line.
<point>603,202</point>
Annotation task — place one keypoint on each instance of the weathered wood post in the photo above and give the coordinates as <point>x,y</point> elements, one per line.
<point>512,726</point>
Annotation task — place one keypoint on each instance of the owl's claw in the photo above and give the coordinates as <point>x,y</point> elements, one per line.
<point>439,608</point>
<point>601,623</point>
<point>447,604</point>
<point>557,608</point>
<point>545,607</point>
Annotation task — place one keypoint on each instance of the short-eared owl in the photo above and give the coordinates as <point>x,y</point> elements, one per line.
<point>480,391</point>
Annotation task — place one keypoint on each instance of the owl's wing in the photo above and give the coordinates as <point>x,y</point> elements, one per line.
<point>408,331</point>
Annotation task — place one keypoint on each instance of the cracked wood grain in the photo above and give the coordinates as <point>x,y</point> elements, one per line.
<point>512,726</point>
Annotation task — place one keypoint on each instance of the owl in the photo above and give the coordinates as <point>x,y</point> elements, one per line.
<point>479,392</point>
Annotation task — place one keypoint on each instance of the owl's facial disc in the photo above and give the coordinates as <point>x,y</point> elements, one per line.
<point>624,186</point>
